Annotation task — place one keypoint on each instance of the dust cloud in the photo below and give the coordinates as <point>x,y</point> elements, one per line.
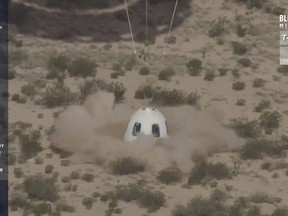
<point>94,131</point>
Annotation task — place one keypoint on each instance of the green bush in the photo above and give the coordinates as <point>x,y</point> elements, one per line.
<point>144,71</point>
<point>11,73</point>
<point>41,188</point>
<point>261,197</point>
<point>145,91</point>
<point>87,88</point>
<point>170,175</point>
<point>126,165</point>
<point>145,196</point>
<point>263,104</point>
<point>199,206</point>
<point>29,90</point>
<point>119,91</point>
<point>222,71</point>
<point>193,98</point>
<point>42,209</point>
<point>194,67</point>
<point>219,27</point>
<point>270,120</point>
<point>245,128</point>
<point>255,149</point>
<point>56,95</point>
<point>283,69</point>
<point>206,171</point>
<point>171,39</point>
<point>114,75</point>
<point>166,74</point>
<point>209,75</point>
<point>18,173</point>
<point>245,62</point>
<point>56,74</point>
<point>58,62</point>
<point>274,9</point>
<point>238,86</point>
<point>88,202</point>
<point>280,212</point>
<point>239,48</point>
<point>30,145</point>
<point>49,169</point>
<point>82,67</point>
<point>88,177</point>
<point>258,82</point>
<point>65,208</point>
<point>75,175</point>
<point>241,102</point>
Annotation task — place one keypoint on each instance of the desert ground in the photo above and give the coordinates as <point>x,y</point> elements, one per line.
<point>75,82</point>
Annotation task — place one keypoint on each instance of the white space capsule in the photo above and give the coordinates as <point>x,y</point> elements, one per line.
<point>147,121</point>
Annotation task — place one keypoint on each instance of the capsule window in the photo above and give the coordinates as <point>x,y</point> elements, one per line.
<point>156,130</point>
<point>136,128</point>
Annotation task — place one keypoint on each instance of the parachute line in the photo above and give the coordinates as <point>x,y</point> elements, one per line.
<point>171,23</point>
<point>129,23</point>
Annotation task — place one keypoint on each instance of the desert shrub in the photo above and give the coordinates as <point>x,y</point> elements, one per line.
<point>56,95</point>
<point>11,73</point>
<point>235,73</point>
<point>65,163</point>
<point>29,144</point>
<point>145,196</point>
<point>261,197</point>
<point>88,177</point>
<point>244,62</point>
<point>75,175</point>
<point>200,206</point>
<point>145,91</point>
<point>17,56</point>
<point>219,27</point>
<point>258,82</point>
<point>119,91</point>
<point>170,175</point>
<point>18,173</point>
<point>82,67</point>
<point>42,209</point>
<point>222,71</point>
<point>280,212</point>
<point>39,160</point>
<point>49,169</point>
<point>171,39</point>
<point>241,102</point>
<point>194,67</point>
<point>18,201</point>
<point>170,97</point>
<point>61,152</point>
<point>238,86</point>
<point>41,188</point>
<point>255,149</point>
<point>283,69</point>
<point>269,120</point>
<point>87,88</point>
<point>254,211</point>
<point>205,171</point>
<point>193,98</point>
<point>263,104</point>
<point>144,71</point>
<point>65,208</point>
<point>274,9</point>
<point>239,48</point>
<point>119,69</point>
<point>267,166</point>
<point>126,165</point>
<point>114,75</point>
<point>88,202</point>
<point>209,75</point>
<point>130,63</point>
<point>245,128</point>
<point>58,62</point>
<point>166,74</point>
<point>29,90</point>
<point>107,47</point>
<point>56,74</point>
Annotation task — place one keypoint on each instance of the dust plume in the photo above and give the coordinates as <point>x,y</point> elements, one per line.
<point>95,130</point>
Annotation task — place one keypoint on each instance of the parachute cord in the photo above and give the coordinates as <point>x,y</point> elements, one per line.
<point>146,6</point>
<point>171,23</point>
<point>131,33</point>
